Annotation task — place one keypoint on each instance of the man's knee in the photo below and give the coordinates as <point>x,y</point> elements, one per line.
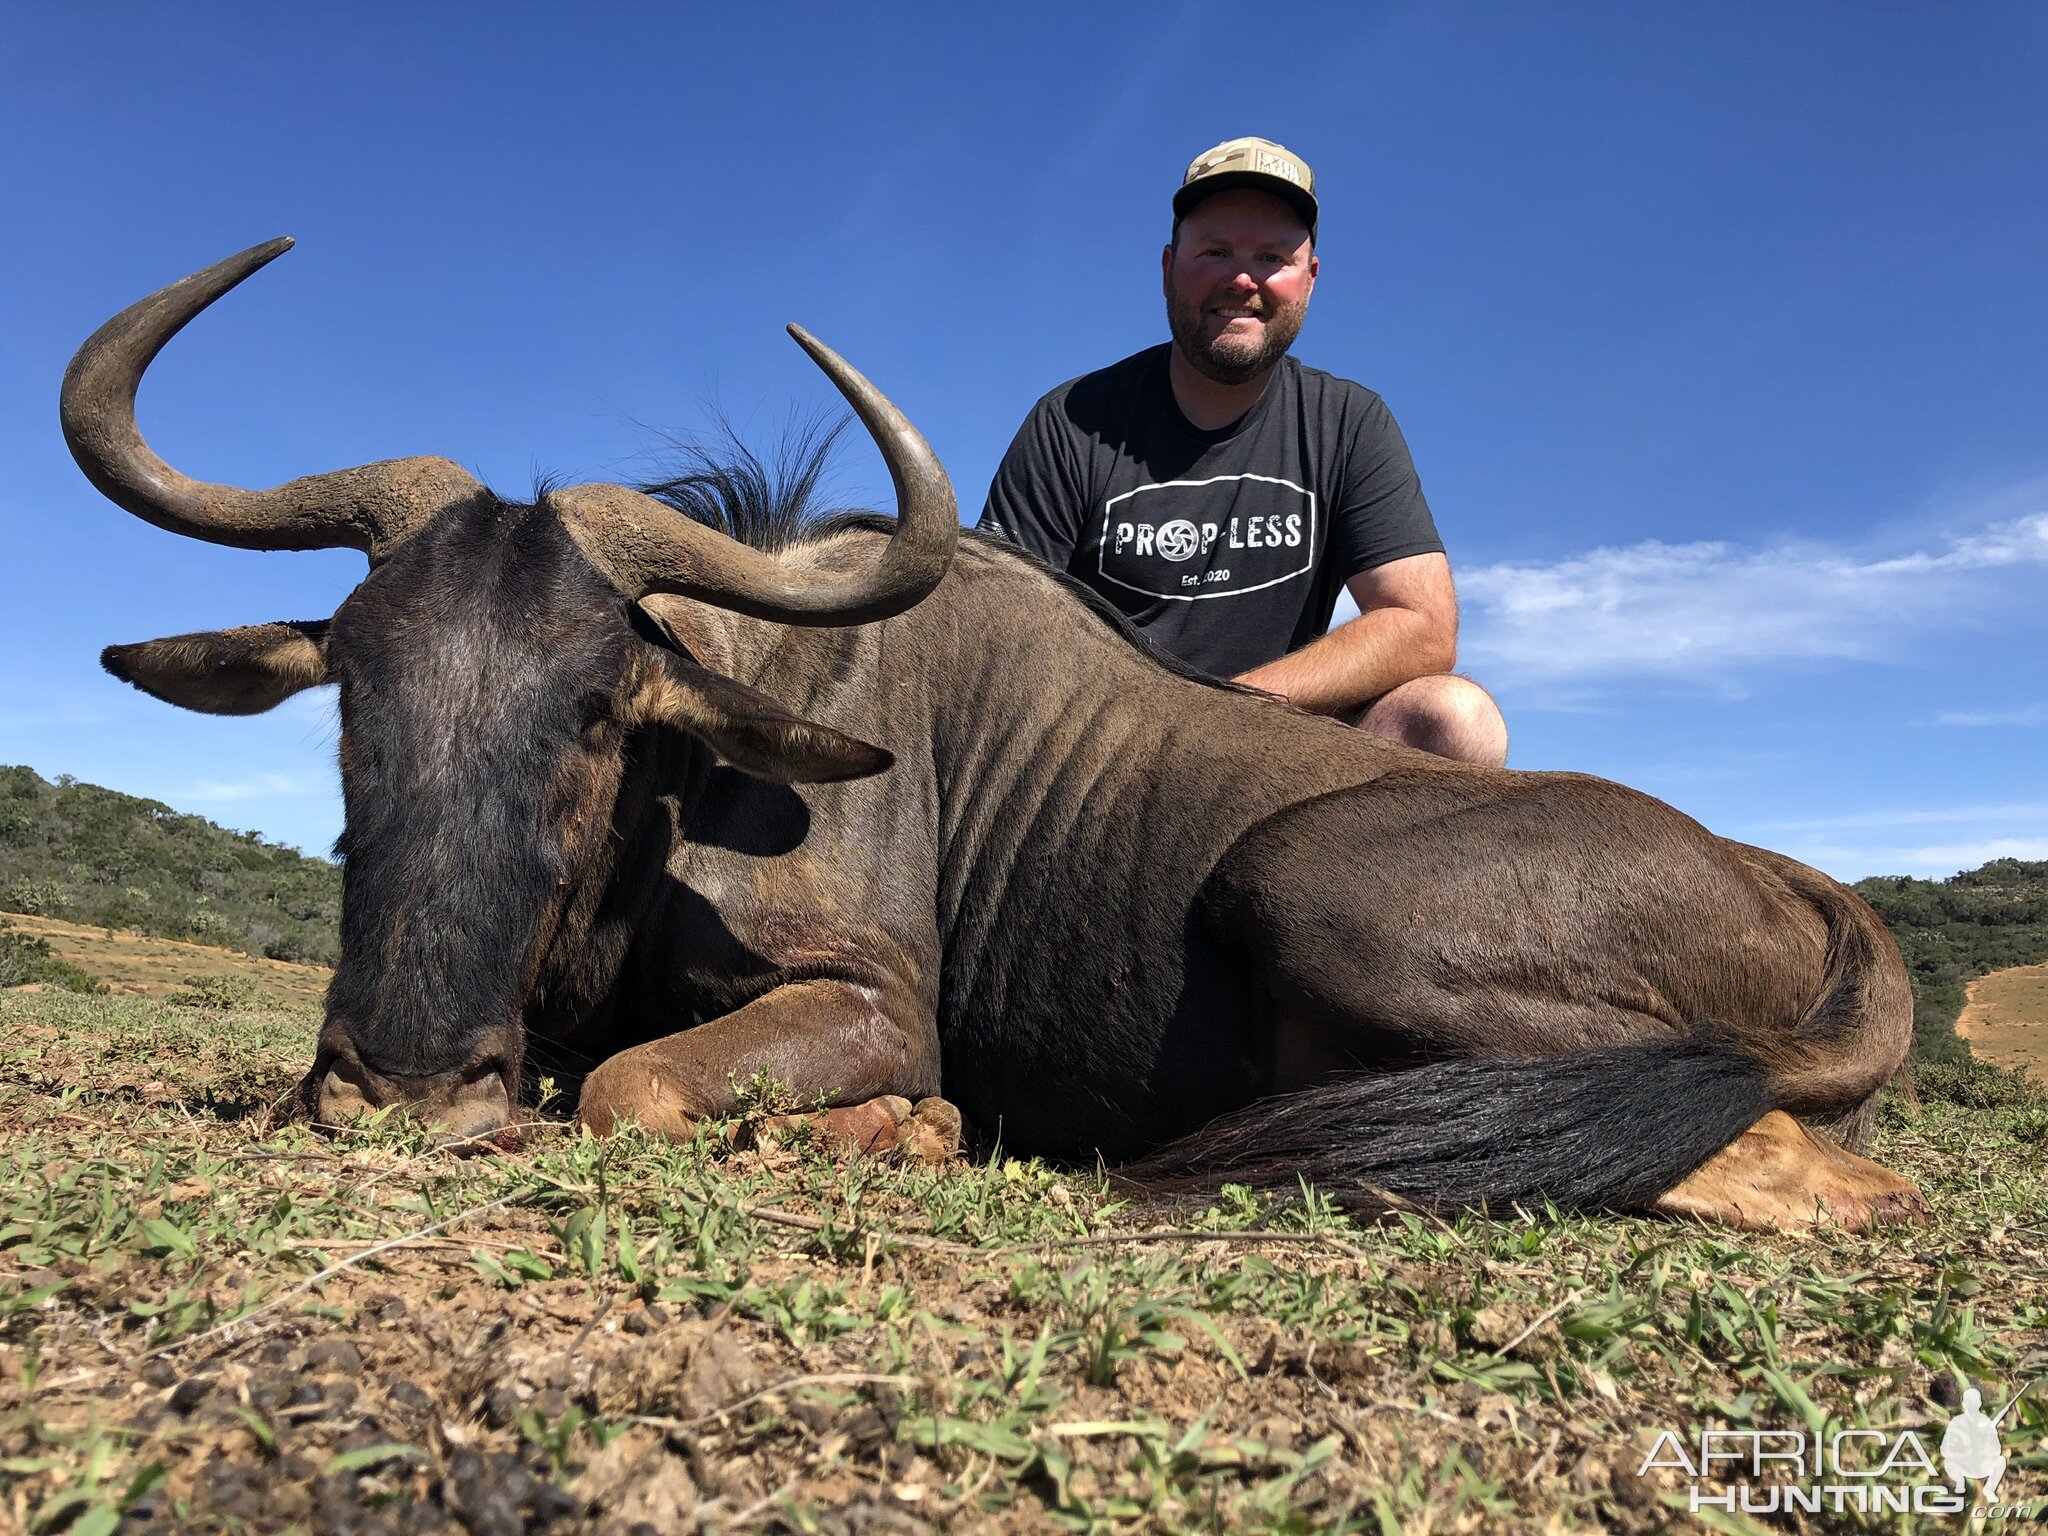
<point>1451,716</point>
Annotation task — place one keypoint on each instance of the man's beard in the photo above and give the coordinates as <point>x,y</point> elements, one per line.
<point>1224,358</point>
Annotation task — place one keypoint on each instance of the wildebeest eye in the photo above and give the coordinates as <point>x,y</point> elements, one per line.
<point>592,711</point>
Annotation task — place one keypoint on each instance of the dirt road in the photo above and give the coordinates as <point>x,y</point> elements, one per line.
<point>2005,1020</point>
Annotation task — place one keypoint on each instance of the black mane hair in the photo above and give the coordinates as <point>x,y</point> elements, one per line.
<point>771,505</point>
<point>767,505</point>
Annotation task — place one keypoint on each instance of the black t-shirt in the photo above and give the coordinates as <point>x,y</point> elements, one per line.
<point>1228,548</point>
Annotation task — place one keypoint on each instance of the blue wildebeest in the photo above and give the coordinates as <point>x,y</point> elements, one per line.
<point>890,815</point>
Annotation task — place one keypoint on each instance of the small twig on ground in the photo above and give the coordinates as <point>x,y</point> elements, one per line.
<point>823,1379</point>
<point>506,1138</point>
<point>803,1223</point>
<point>760,1506</point>
<point>1308,1369</point>
<point>312,1281</point>
<point>343,1244</point>
<point>1536,1467</point>
<point>1180,1235</point>
<point>1502,1352</point>
<point>595,1318</point>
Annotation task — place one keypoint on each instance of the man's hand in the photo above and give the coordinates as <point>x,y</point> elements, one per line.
<point>1407,627</point>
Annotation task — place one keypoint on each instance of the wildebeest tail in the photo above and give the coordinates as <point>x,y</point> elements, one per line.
<point>1608,1129</point>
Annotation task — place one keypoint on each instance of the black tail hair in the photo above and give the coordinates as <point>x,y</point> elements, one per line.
<point>1610,1129</point>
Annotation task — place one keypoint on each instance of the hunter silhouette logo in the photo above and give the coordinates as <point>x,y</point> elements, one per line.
<point>1970,1449</point>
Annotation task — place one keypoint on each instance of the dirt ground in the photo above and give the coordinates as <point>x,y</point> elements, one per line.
<point>134,964</point>
<point>214,1320</point>
<point>2005,1020</point>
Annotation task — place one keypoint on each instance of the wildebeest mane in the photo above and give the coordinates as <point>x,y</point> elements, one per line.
<point>772,504</point>
<point>766,504</point>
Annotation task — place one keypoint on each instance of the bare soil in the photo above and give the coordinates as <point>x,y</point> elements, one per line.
<point>2005,1020</point>
<point>214,1320</point>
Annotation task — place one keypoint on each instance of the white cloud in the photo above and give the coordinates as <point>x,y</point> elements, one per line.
<point>58,715</point>
<point>1706,612</point>
<point>257,786</point>
<point>1931,861</point>
<point>2026,714</point>
<point>2034,811</point>
<point>1894,842</point>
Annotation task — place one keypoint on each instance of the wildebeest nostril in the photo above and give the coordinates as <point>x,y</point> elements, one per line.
<point>465,1106</point>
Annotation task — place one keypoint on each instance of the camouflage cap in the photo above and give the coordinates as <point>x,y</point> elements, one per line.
<point>1257,163</point>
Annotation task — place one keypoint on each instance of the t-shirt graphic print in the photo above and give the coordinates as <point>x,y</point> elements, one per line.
<point>1189,540</point>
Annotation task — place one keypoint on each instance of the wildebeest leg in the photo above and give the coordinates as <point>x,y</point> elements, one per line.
<point>1638,986</point>
<point>1861,1029</point>
<point>1778,1176</point>
<point>824,1041</point>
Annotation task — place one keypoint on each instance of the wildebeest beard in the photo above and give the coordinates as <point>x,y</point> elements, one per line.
<point>474,669</point>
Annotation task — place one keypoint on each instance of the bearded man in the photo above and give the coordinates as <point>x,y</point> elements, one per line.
<point>1220,494</point>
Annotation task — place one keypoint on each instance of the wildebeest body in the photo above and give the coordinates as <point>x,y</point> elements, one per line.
<point>875,818</point>
<point>1159,900</point>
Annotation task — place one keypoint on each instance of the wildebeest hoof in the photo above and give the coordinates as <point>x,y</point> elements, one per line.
<point>927,1132</point>
<point>933,1132</point>
<point>1778,1176</point>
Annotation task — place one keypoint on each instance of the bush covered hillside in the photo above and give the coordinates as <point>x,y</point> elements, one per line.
<point>1953,931</point>
<point>89,855</point>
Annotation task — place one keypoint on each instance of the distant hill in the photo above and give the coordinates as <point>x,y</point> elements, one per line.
<point>91,855</point>
<point>1953,931</point>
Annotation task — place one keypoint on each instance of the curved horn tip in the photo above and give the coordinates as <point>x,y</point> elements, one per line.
<point>267,252</point>
<point>245,264</point>
<point>805,339</point>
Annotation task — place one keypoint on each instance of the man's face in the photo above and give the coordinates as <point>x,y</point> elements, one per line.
<point>1237,284</point>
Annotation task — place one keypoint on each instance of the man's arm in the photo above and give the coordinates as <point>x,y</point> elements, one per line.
<point>1407,627</point>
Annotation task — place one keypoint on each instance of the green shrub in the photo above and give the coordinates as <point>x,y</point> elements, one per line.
<point>1974,1084</point>
<point>26,959</point>
<point>38,898</point>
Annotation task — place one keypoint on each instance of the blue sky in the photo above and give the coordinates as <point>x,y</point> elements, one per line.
<point>1717,330</point>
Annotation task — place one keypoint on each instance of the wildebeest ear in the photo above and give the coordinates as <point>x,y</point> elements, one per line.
<point>226,671</point>
<point>748,729</point>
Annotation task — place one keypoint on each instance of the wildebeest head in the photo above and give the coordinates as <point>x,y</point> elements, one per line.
<point>491,667</point>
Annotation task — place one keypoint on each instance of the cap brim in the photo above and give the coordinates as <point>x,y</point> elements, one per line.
<point>1301,202</point>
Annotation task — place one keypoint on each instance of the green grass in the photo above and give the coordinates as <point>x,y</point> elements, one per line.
<point>772,1338</point>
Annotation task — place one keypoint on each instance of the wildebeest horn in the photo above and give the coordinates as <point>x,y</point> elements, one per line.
<point>371,508</point>
<point>643,546</point>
